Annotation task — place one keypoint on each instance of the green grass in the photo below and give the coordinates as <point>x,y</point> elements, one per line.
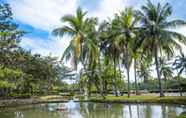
<point>109,99</point>
<point>182,116</point>
<point>142,99</point>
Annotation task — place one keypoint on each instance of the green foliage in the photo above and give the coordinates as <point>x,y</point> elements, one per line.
<point>131,35</point>
<point>5,85</point>
<point>21,72</point>
<point>10,74</point>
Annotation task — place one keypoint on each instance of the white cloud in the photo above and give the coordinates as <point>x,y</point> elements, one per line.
<point>52,46</point>
<point>107,8</point>
<point>42,14</point>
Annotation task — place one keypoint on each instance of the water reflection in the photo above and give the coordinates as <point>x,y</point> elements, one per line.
<point>93,110</point>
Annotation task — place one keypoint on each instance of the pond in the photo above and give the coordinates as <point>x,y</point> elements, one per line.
<point>93,110</point>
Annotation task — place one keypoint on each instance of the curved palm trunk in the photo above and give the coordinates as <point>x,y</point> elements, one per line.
<point>158,74</point>
<point>136,84</point>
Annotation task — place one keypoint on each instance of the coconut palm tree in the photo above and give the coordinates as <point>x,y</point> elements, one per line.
<point>82,47</point>
<point>110,47</point>
<point>136,54</point>
<point>159,38</point>
<point>127,30</point>
<point>78,26</point>
<point>180,63</point>
<point>166,71</point>
<point>144,70</point>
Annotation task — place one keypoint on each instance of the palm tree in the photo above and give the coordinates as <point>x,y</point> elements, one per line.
<point>83,47</point>
<point>180,65</point>
<point>159,39</point>
<point>110,46</point>
<point>77,27</point>
<point>127,30</point>
<point>144,70</point>
<point>166,71</point>
<point>136,54</point>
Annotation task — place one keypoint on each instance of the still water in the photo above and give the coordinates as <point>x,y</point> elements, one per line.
<point>93,110</point>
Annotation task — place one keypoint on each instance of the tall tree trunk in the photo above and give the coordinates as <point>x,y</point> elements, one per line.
<point>165,80</point>
<point>101,80</point>
<point>158,73</point>
<point>99,89</point>
<point>180,87</point>
<point>128,78</point>
<point>114,81</point>
<point>120,74</point>
<point>89,88</point>
<point>105,87</point>
<point>127,65</point>
<point>136,84</point>
<point>180,91</point>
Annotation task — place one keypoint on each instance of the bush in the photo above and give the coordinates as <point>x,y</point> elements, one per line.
<point>18,95</point>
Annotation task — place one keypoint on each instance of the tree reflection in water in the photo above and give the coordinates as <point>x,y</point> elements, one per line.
<point>95,110</point>
<point>100,110</point>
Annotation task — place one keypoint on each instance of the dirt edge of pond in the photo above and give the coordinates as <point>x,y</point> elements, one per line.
<point>166,100</point>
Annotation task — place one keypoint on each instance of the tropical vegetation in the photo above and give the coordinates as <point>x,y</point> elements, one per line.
<point>107,50</point>
<point>105,55</point>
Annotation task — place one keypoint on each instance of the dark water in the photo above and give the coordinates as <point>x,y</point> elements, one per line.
<point>93,110</point>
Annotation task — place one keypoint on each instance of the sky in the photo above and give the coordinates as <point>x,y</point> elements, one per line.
<point>40,17</point>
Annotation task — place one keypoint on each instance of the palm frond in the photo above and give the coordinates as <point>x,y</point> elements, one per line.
<point>174,24</point>
<point>63,30</point>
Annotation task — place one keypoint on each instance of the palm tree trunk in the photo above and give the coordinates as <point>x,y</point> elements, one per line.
<point>158,73</point>
<point>120,74</point>
<point>136,85</point>
<point>101,80</point>
<point>105,87</point>
<point>180,91</point>
<point>165,80</point>
<point>114,81</point>
<point>128,78</point>
<point>180,88</point>
<point>128,69</point>
<point>89,88</point>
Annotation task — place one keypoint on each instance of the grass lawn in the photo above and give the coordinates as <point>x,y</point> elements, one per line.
<point>182,116</point>
<point>142,99</point>
<point>109,99</point>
